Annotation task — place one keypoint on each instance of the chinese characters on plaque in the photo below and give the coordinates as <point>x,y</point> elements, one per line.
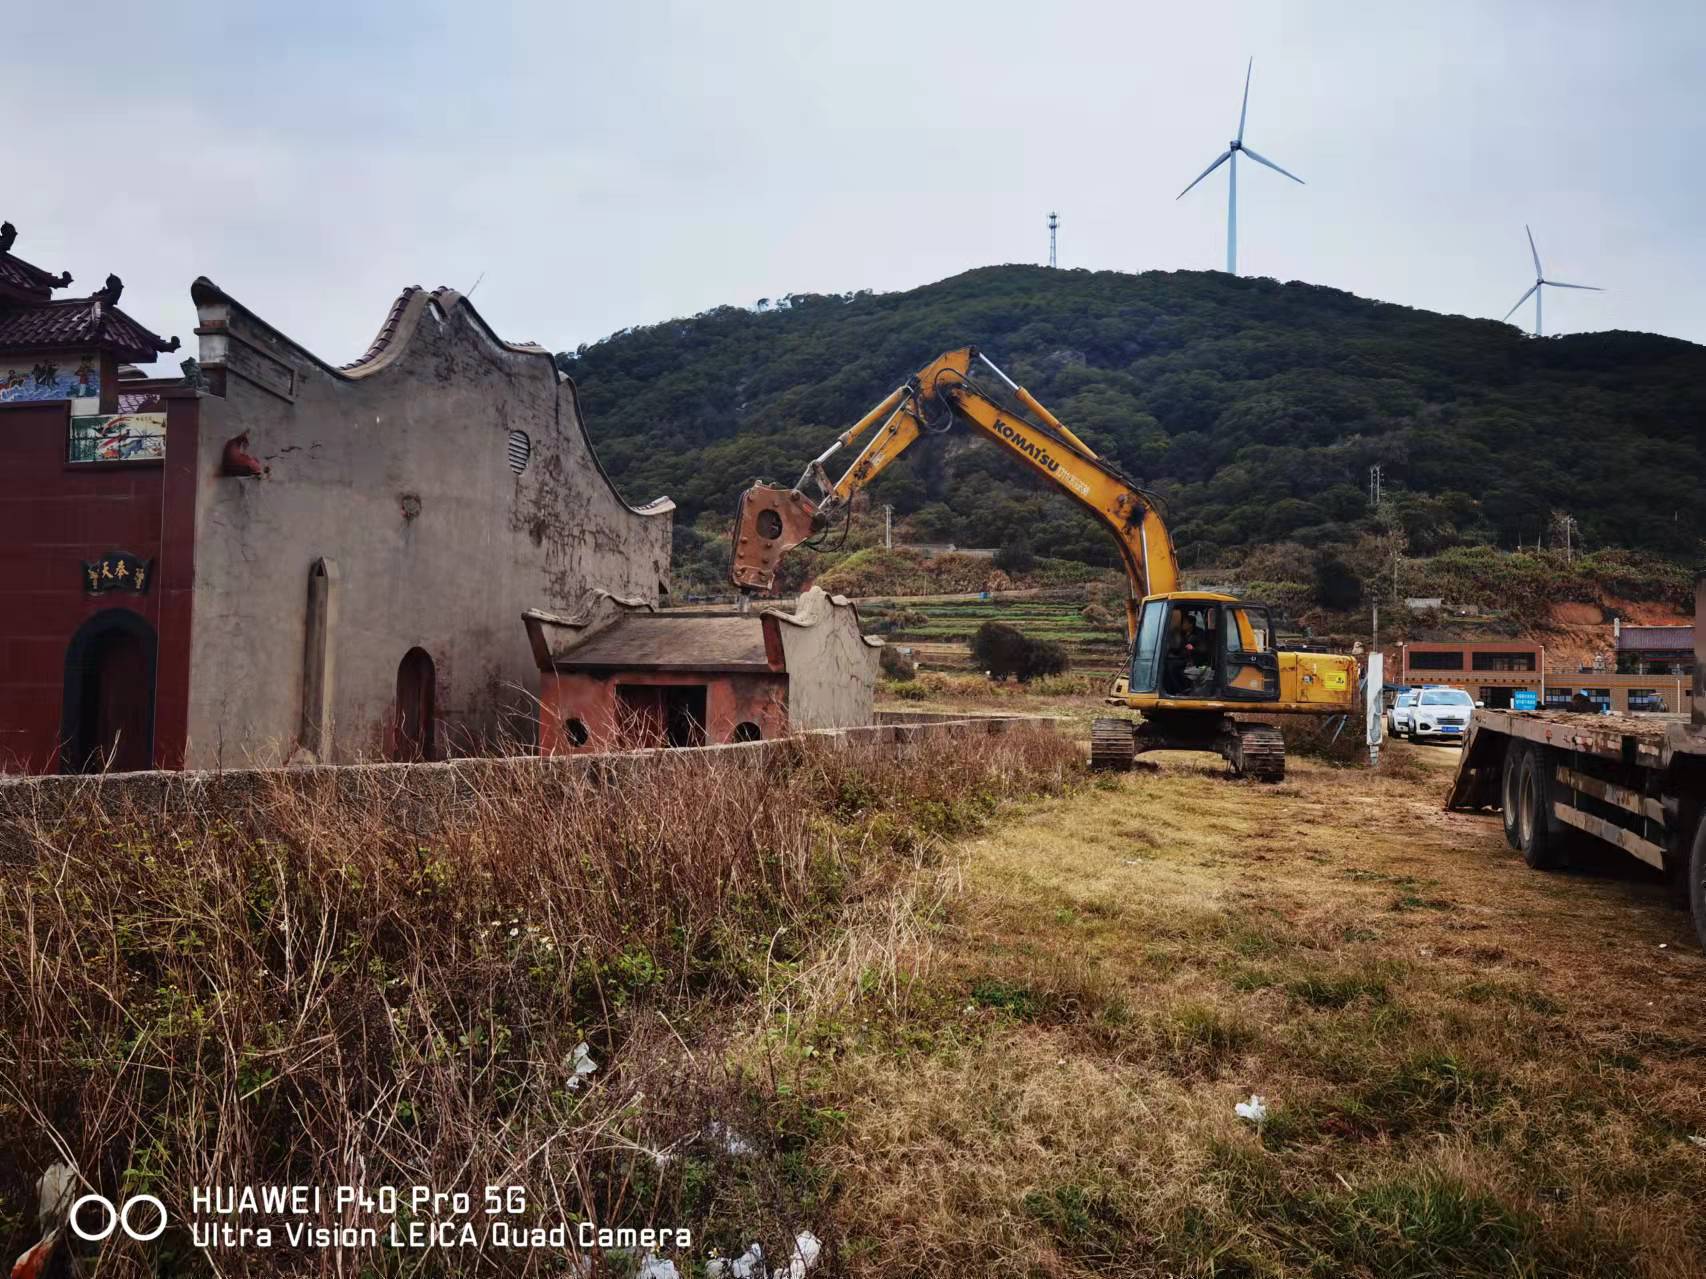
<point>117,571</point>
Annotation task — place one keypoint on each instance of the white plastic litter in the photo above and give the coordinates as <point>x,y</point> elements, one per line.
<point>749,1265</point>
<point>54,1193</point>
<point>1255,1110</point>
<point>730,1140</point>
<point>807,1249</point>
<point>582,1063</point>
<point>654,1268</point>
<point>1699,1141</point>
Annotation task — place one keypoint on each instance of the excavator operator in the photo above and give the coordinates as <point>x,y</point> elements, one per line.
<point>1189,655</point>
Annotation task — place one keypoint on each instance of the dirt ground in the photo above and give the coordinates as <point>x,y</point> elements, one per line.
<point>1466,1067</point>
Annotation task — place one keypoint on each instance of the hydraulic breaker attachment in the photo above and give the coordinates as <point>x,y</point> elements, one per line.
<point>771,521</point>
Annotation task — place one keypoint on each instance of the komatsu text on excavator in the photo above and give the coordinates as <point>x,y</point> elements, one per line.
<point>1197,660</point>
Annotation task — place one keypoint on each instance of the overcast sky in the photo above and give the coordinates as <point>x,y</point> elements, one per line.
<point>602,165</point>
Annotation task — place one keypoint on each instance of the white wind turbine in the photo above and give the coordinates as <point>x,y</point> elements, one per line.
<point>1231,154</point>
<point>1541,283</point>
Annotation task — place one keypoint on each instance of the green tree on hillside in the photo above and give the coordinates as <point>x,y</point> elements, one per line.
<point>1254,408</point>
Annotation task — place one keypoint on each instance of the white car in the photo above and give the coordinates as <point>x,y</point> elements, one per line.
<point>1402,714</point>
<point>1441,713</point>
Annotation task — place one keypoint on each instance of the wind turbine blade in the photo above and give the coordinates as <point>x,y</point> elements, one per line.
<point>1531,288</point>
<point>1559,284</point>
<point>1245,109</point>
<point>1262,159</point>
<point>1224,157</point>
<point>1536,252</point>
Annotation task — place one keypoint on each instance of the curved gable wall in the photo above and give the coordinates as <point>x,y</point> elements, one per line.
<point>397,469</point>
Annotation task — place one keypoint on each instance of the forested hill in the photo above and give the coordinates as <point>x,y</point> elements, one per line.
<point>1256,407</point>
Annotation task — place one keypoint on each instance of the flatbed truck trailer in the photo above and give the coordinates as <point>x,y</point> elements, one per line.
<point>1634,782</point>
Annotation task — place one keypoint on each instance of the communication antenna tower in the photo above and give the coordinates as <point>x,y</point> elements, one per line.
<point>1053,223</point>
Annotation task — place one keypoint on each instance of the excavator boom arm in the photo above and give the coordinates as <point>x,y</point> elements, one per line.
<point>773,520</point>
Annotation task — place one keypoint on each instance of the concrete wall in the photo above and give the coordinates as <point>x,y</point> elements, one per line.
<point>831,665</point>
<point>396,471</point>
<point>413,792</point>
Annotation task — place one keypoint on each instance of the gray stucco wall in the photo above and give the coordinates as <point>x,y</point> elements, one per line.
<point>396,469</point>
<point>831,664</point>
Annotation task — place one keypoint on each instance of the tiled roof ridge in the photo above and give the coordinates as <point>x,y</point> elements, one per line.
<point>53,322</point>
<point>23,275</point>
<point>387,330</point>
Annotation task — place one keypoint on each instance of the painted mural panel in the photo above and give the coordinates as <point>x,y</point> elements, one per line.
<point>49,378</point>
<point>118,437</point>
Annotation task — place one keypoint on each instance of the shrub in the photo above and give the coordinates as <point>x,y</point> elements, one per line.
<point>999,649</point>
<point>1016,557</point>
<point>896,664</point>
<point>1005,651</point>
<point>1337,586</point>
<point>1046,657</point>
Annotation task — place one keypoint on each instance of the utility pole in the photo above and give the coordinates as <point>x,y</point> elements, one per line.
<point>1376,478</point>
<point>1053,222</point>
<point>888,527</point>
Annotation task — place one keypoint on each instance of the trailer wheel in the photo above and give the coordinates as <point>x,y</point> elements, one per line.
<point>1510,789</point>
<point>1697,881</point>
<point>1534,811</point>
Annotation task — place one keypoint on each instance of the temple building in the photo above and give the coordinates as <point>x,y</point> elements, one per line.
<point>272,558</point>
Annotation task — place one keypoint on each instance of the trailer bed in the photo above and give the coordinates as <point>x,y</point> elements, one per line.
<point>1646,741</point>
<point>1634,782</point>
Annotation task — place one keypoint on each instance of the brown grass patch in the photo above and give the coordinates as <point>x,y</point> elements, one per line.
<point>1127,964</point>
<point>304,992</point>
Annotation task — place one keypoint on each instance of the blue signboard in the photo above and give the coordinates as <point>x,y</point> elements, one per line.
<point>1525,699</point>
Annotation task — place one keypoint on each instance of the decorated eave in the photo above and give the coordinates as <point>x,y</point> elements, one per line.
<point>22,281</point>
<point>32,319</point>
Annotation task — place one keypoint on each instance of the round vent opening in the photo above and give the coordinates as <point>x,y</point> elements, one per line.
<point>520,449</point>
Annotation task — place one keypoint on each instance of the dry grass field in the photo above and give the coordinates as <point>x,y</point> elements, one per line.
<point>973,1012</point>
<point>1469,1068</point>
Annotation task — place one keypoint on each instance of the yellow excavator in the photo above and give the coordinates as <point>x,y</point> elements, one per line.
<point>1197,659</point>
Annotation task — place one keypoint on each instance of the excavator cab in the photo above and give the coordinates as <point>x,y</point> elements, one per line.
<point>1201,647</point>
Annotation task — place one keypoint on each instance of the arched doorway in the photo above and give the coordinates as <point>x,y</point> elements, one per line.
<point>108,711</point>
<point>417,695</point>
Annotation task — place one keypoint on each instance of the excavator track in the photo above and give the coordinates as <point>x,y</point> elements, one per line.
<point>1258,752</point>
<point>1113,745</point>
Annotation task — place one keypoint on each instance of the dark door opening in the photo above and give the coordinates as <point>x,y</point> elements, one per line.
<point>1498,699</point>
<point>684,710</point>
<point>108,712</point>
<point>650,715</point>
<point>416,710</point>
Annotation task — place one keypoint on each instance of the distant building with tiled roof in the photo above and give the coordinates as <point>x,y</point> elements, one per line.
<point>49,345</point>
<point>1665,649</point>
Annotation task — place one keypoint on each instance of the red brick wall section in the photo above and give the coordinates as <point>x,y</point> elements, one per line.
<point>54,516</point>
<point>730,700</point>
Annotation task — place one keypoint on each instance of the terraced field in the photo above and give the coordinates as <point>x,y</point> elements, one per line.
<point>941,641</point>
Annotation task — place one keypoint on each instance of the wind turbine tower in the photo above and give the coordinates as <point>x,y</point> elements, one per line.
<point>1233,149</point>
<point>1053,223</point>
<point>1541,284</point>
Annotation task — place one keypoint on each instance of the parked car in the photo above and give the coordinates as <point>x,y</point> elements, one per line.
<point>1441,713</point>
<point>1402,713</point>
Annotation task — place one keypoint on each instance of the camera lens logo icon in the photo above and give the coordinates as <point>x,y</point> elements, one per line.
<point>94,1206</point>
